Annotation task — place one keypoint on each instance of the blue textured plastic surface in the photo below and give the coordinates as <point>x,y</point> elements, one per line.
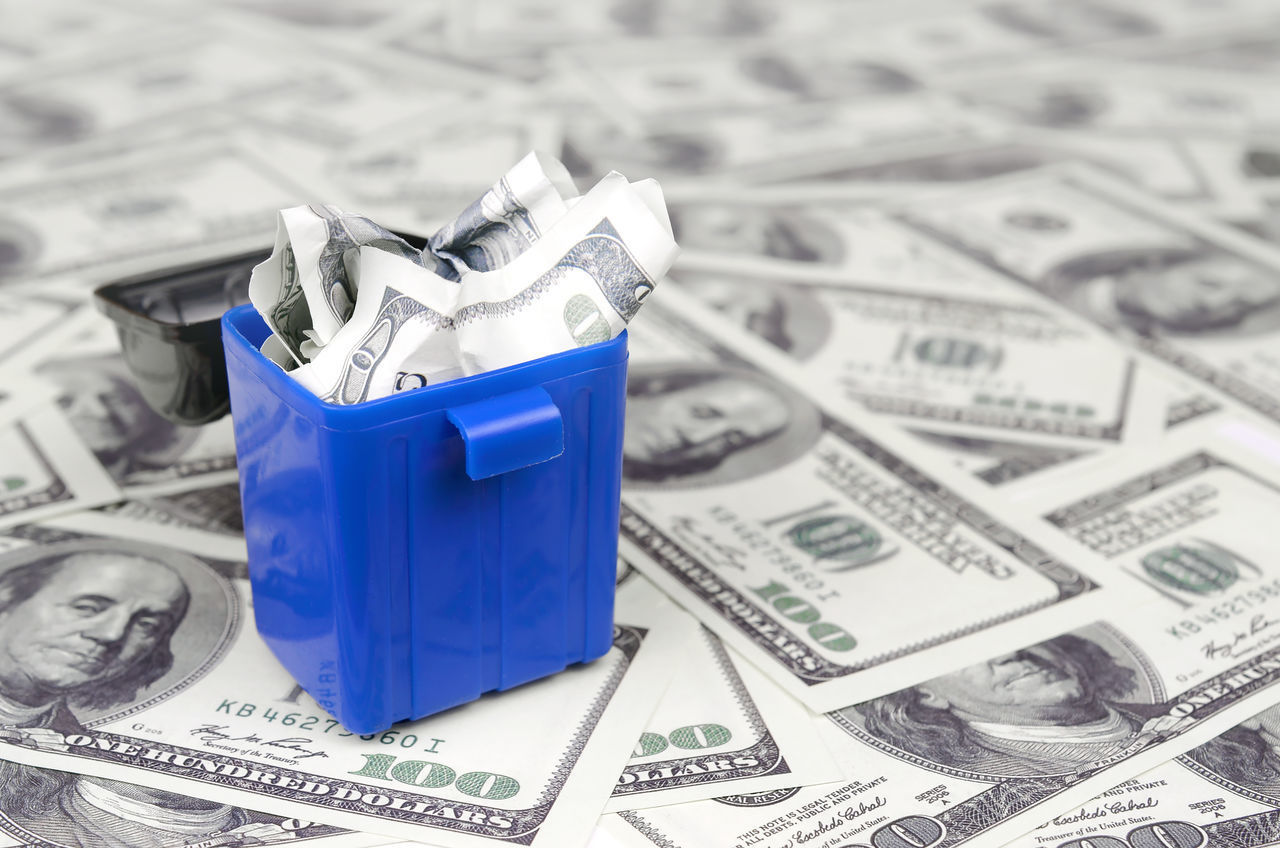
<point>410,553</point>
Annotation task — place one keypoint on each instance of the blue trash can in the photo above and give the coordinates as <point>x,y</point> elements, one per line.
<point>410,553</point>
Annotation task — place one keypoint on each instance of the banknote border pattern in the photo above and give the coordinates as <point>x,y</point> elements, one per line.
<point>226,570</point>
<point>132,752</point>
<point>1099,503</point>
<point>1261,402</point>
<point>1213,777</point>
<point>705,585</point>
<point>1011,795</point>
<point>648,831</point>
<point>994,416</point>
<point>765,747</point>
<point>55,492</point>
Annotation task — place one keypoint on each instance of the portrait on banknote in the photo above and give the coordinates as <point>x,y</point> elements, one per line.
<point>695,425</point>
<point>739,228</point>
<point>1246,758</point>
<point>787,317</point>
<point>82,811</point>
<point>1051,708</point>
<point>94,627</point>
<point>1161,291</point>
<point>109,413</point>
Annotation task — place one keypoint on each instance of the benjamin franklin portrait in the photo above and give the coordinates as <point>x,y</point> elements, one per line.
<point>1247,756</point>
<point>1051,708</point>
<point>690,425</point>
<point>108,412</point>
<point>785,315</point>
<point>1156,291</point>
<point>89,626</point>
<point>82,811</point>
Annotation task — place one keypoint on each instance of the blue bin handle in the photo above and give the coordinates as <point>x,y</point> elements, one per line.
<point>509,432</point>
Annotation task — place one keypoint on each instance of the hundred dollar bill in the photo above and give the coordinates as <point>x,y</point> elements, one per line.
<point>945,362</point>
<point>1247,49</point>
<point>307,288</point>
<point>508,24</point>
<point>578,285</point>
<point>1201,299</point>
<point>985,753</point>
<point>44,38</point>
<point>1185,524</point>
<point>25,318</point>
<point>977,755</point>
<point>1224,792</point>
<point>348,106</point>
<point>47,807</point>
<point>997,462</point>
<point>182,696</point>
<point>804,533</point>
<point>116,92</point>
<point>179,204</point>
<point>21,395</point>
<point>717,147</point>
<point>45,470</point>
<point>825,241</point>
<point>143,453</point>
<point>413,176</point>
<point>951,38</point>
<point>304,290</point>
<point>694,77</point>
<point>1103,96</point>
<point>215,509</point>
<point>1196,174</point>
<point>1187,403</point>
<point>721,727</point>
<point>506,220</point>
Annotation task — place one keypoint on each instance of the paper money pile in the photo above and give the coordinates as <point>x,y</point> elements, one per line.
<point>529,269</point>
<point>953,442</point>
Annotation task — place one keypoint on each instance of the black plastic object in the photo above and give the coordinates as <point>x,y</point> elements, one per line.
<point>171,336</point>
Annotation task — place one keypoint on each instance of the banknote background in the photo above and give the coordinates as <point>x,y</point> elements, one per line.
<point>953,445</point>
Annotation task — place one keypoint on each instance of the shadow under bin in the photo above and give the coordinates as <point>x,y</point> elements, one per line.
<point>410,553</point>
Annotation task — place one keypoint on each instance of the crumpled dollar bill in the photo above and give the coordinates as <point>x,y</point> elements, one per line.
<point>529,269</point>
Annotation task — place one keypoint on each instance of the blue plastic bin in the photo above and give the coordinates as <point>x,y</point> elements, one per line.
<point>410,553</point>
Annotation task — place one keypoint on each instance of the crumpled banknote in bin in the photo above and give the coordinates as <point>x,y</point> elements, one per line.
<point>430,446</point>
